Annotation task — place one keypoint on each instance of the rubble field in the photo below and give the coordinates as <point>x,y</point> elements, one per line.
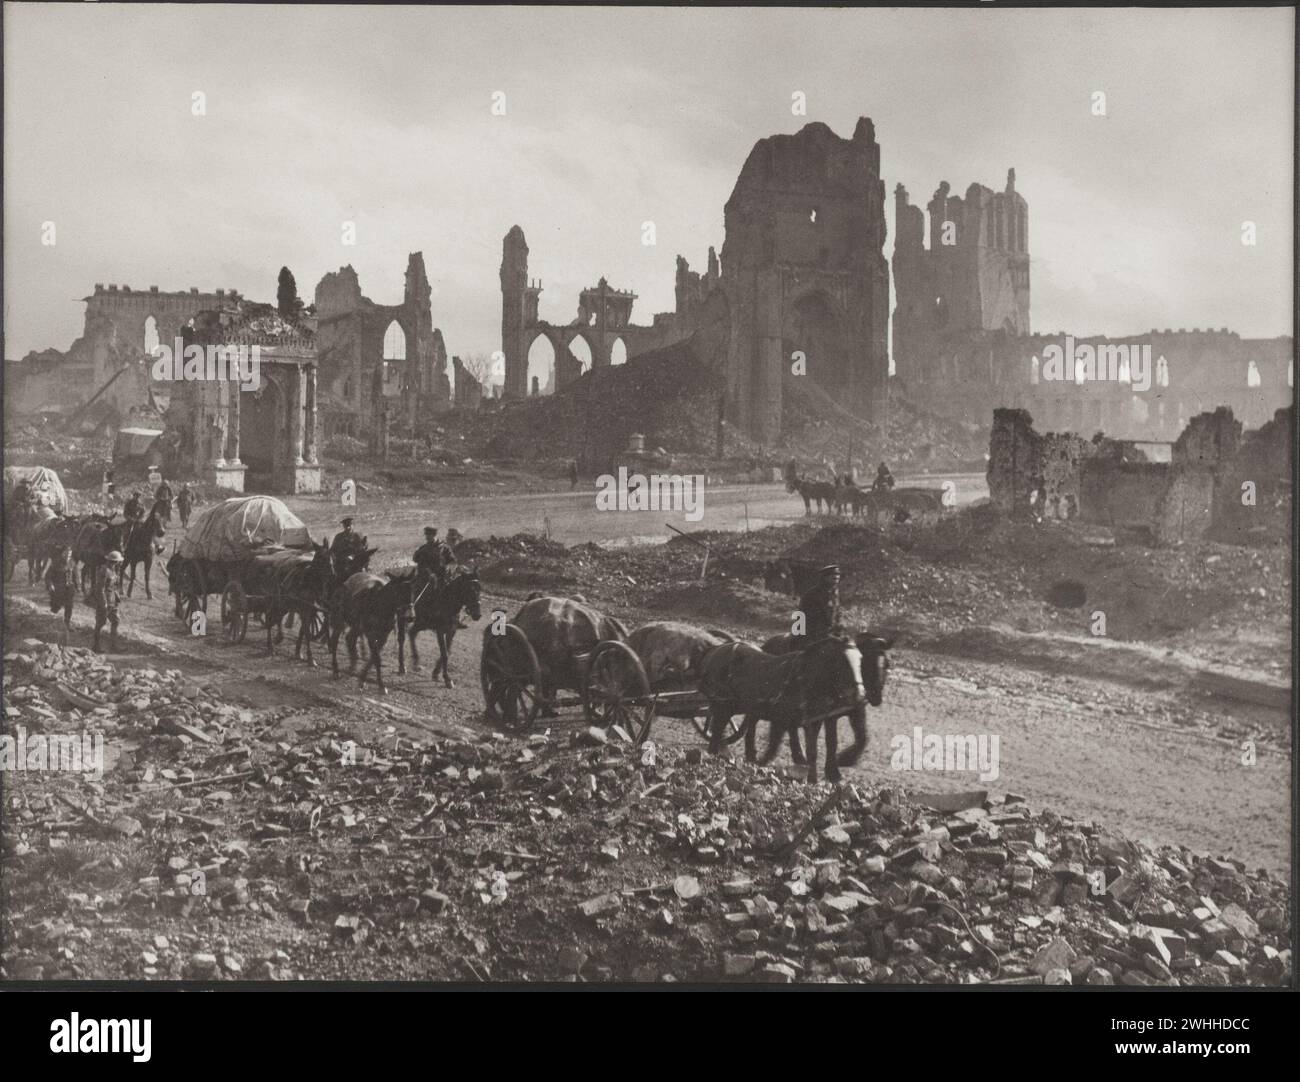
<point>227,840</point>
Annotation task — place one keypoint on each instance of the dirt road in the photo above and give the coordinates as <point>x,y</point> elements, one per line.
<point>1084,748</point>
<point>571,518</point>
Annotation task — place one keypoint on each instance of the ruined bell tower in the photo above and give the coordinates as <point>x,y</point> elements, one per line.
<point>518,311</point>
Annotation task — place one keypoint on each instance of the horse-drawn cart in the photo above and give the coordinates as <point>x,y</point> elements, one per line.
<point>252,551</point>
<point>655,673</point>
<point>555,645</point>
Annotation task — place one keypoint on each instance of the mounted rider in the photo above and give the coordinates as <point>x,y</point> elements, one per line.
<point>884,479</point>
<point>347,542</point>
<point>820,604</point>
<point>133,509</point>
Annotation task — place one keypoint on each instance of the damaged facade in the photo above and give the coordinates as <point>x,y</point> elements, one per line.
<point>376,354</point>
<point>802,272</point>
<point>962,344</point>
<point>264,439</point>
<point>1197,490</point>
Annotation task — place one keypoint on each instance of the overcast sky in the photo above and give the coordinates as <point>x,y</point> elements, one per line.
<point>382,116</point>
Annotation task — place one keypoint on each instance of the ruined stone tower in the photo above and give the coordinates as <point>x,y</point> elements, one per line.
<point>804,272</point>
<point>518,311</point>
<point>973,277</point>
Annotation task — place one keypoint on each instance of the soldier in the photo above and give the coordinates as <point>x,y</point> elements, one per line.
<point>884,479</point>
<point>133,509</point>
<point>109,485</point>
<point>61,584</point>
<point>106,597</point>
<point>573,475</point>
<point>430,555</point>
<point>22,492</point>
<point>821,604</point>
<point>184,504</point>
<point>345,541</point>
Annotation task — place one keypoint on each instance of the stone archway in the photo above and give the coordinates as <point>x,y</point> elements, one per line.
<point>815,326</point>
<point>540,358</point>
<point>261,434</point>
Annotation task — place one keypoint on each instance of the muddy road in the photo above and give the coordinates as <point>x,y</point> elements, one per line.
<point>1083,747</point>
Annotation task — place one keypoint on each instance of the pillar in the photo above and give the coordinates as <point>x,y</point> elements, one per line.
<point>297,407</point>
<point>232,424</point>
<point>311,420</point>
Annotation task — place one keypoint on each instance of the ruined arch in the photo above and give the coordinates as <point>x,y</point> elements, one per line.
<point>581,349</point>
<point>152,343</point>
<point>260,432</point>
<point>816,326</point>
<point>618,352</point>
<point>1252,375</point>
<point>394,341</point>
<point>541,355</point>
<point>1033,370</point>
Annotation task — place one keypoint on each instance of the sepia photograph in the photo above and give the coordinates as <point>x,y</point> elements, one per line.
<point>649,496</point>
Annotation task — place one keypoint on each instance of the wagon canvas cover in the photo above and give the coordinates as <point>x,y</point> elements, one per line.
<point>44,482</point>
<point>239,526</point>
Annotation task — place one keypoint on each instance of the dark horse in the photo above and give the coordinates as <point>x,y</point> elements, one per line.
<point>143,539</point>
<point>370,605</point>
<point>61,584</point>
<point>821,493</point>
<point>289,583</point>
<point>438,609</point>
<point>874,666</point>
<point>802,689</point>
<point>96,538</point>
<point>312,587</point>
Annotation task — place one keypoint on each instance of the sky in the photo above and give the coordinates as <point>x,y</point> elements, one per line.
<point>316,116</point>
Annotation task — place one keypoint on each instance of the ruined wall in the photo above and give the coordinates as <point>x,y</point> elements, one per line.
<point>469,391</point>
<point>350,334</point>
<point>803,270</point>
<point>1264,459</point>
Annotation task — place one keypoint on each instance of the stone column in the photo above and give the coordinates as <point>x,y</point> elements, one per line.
<point>311,420</point>
<point>219,422</point>
<point>296,409</point>
<point>232,423</point>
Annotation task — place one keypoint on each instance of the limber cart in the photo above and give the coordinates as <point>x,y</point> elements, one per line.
<point>619,679</point>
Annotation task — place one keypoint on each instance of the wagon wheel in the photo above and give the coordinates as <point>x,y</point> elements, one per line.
<point>511,677</point>
<point>615,690</point>
<point>234,612</point>
<point>734,730</point>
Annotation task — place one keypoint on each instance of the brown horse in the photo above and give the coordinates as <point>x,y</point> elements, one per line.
<point>372,606</point>
<point>437,608</point>
<point>142,541</point>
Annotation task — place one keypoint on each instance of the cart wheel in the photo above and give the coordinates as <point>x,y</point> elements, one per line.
<point>734,731</point>
<point>616,690</point>
<point>511,677</point>
<point>234,612</point>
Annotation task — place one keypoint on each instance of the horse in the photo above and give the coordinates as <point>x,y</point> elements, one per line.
<point>437,609</point>
<point>370,605</point>
<point>795,689</point>
<point>143,540</point>
<point>822,493</point>
<point>875,667</point>
<point>37,527</point>
<point>294,583</point>
<point>61,584</point>
<point>96,538</point>
<point>341,566</point>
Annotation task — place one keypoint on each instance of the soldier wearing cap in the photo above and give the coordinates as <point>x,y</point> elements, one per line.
<point>821,604</point>
<point>133,509</point>
<point>431,555</point>
<point>346,542</point>
<point>105,596</point>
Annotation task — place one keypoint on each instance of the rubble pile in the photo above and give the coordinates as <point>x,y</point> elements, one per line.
<point>225,843</point>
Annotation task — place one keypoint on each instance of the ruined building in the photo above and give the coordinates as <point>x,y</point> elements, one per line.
<point>962,344</point>
<point>802,272</point>
<point>262,438</point>
<point>109,361</point>
<point>375,353</point>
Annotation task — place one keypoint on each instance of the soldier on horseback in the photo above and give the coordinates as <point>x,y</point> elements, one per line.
<point>163,495</point>
<point>133,509</point>
<point>346,542</point>
<point>884,479</point>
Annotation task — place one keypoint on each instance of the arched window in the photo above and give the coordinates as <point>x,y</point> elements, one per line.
<point>579,348</point>
<point>1252,375</point>
<point>151,344</point>
<point>394,342</point>
<point>1033,370</point>
<point>541,366</point>
<point>618,352</point>
<point>1162,372</point>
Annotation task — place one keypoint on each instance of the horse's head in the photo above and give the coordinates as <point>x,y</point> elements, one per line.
<point>833,671</point>
<point>875,664</point>
<point>468,591</point>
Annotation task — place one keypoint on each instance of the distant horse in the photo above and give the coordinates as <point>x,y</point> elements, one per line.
<point>143,540</point>
<point>438,609</point>
<point>371,606</point>
<point>821,493</point>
